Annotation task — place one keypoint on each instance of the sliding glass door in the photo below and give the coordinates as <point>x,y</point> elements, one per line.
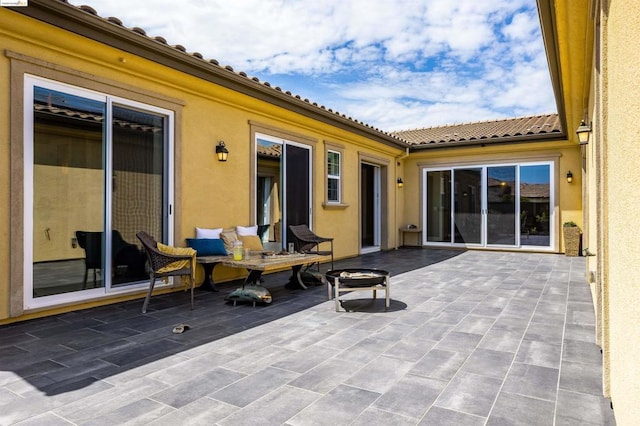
<point>467,205</point>
<point>489,206</point>
<point>97,171</point>
<point>501,205</point>
<point>283,188</point>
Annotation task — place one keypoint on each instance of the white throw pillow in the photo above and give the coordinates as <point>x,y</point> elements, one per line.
<point>208,233</point>
<point>247,230</point>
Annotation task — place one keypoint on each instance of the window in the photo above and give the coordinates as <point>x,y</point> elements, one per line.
<point>334,172</point>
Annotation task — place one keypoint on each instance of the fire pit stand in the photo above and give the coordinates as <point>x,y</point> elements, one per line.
<point>357,279</point>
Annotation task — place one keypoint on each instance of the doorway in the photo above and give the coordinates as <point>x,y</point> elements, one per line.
<point>283,188</point>
<point>370,208</point>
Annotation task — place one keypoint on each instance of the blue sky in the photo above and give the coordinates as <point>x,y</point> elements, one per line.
<point>393,64</point>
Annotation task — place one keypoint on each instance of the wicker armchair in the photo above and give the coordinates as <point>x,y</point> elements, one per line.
<point>160,265</point>
<point>308,242</point>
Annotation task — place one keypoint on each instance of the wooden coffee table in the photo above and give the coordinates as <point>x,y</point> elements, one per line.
<point>257,264</point>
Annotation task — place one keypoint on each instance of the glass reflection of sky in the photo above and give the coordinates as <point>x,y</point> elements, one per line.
<point>64,100</point>
<point>505,174</point>
<point>535,174</point>
<point>267,144</point>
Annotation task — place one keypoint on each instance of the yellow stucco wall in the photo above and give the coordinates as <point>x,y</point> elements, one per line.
<point>621,171</point>
<point>606,89</point>
<point>208,193</point>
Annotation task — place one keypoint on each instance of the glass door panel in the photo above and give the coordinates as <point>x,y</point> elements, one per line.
<point>268,191</point>
<point>283,188</point>
<point>535,205</point>
<point>297,191</point>
<point>68,192</point>
<point>438,206</point>
<point>467,199</point>
<point>137,189</point>
<point>501,205</point>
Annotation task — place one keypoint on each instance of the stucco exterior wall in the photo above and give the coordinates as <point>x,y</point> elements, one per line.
<point>208,193</point>
<point>621,173</point>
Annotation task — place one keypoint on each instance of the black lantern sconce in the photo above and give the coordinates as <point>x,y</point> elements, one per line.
<point>569,177</point>
<point>400,183</point>
<point>221,151</point>
<point>583,132</point>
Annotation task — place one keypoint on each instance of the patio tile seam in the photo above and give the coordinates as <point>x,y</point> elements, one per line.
<point>522,339</point>
<point>564,331</point>
<point>384,410</point>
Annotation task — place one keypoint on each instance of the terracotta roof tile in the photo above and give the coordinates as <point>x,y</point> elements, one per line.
<point>525,128</point>
<point>270,150</point>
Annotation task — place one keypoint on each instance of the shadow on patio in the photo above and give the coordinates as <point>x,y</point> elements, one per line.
<point>65,352</point>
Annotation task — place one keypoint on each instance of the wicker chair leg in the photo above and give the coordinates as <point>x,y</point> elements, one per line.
<point>146,300</point>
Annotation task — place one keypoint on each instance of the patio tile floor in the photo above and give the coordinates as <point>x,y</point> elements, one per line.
<point>471,338</point>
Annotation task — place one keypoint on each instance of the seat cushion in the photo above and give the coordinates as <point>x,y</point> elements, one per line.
<point>207,246</point>
<point>178,264</point>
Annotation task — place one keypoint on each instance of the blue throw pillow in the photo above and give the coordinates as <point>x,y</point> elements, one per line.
<point>207,246</point>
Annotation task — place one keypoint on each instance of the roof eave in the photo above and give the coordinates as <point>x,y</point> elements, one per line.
<point>546,15</point>
<point>74,19</point>
<point>555,136</point>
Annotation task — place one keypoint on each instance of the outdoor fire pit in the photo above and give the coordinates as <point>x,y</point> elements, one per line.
<point>357,279</point>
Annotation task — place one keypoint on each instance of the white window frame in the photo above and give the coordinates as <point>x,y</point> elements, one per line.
<point>31,81</point>
<point>332,177</point>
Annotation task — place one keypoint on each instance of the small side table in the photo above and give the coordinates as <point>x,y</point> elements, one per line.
<point>417,231</point>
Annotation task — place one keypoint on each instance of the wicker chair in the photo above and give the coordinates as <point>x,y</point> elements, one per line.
<point>308,242</point>
<point>159,260</point>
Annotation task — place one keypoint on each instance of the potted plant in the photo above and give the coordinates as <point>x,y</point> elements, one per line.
<point>571,233</point>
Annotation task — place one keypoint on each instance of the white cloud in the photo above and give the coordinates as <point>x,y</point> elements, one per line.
<point>388,63</point>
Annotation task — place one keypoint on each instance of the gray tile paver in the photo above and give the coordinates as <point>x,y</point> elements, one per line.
<point>532,380</point>
<point>520,410</point>
<point>470,393</point>
<point>487,347</point>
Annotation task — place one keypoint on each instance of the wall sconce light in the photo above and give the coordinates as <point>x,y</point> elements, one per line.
<point>400,183</point>
<point>583,132</point>
<point>221,151</point>
<point>569,177</point>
